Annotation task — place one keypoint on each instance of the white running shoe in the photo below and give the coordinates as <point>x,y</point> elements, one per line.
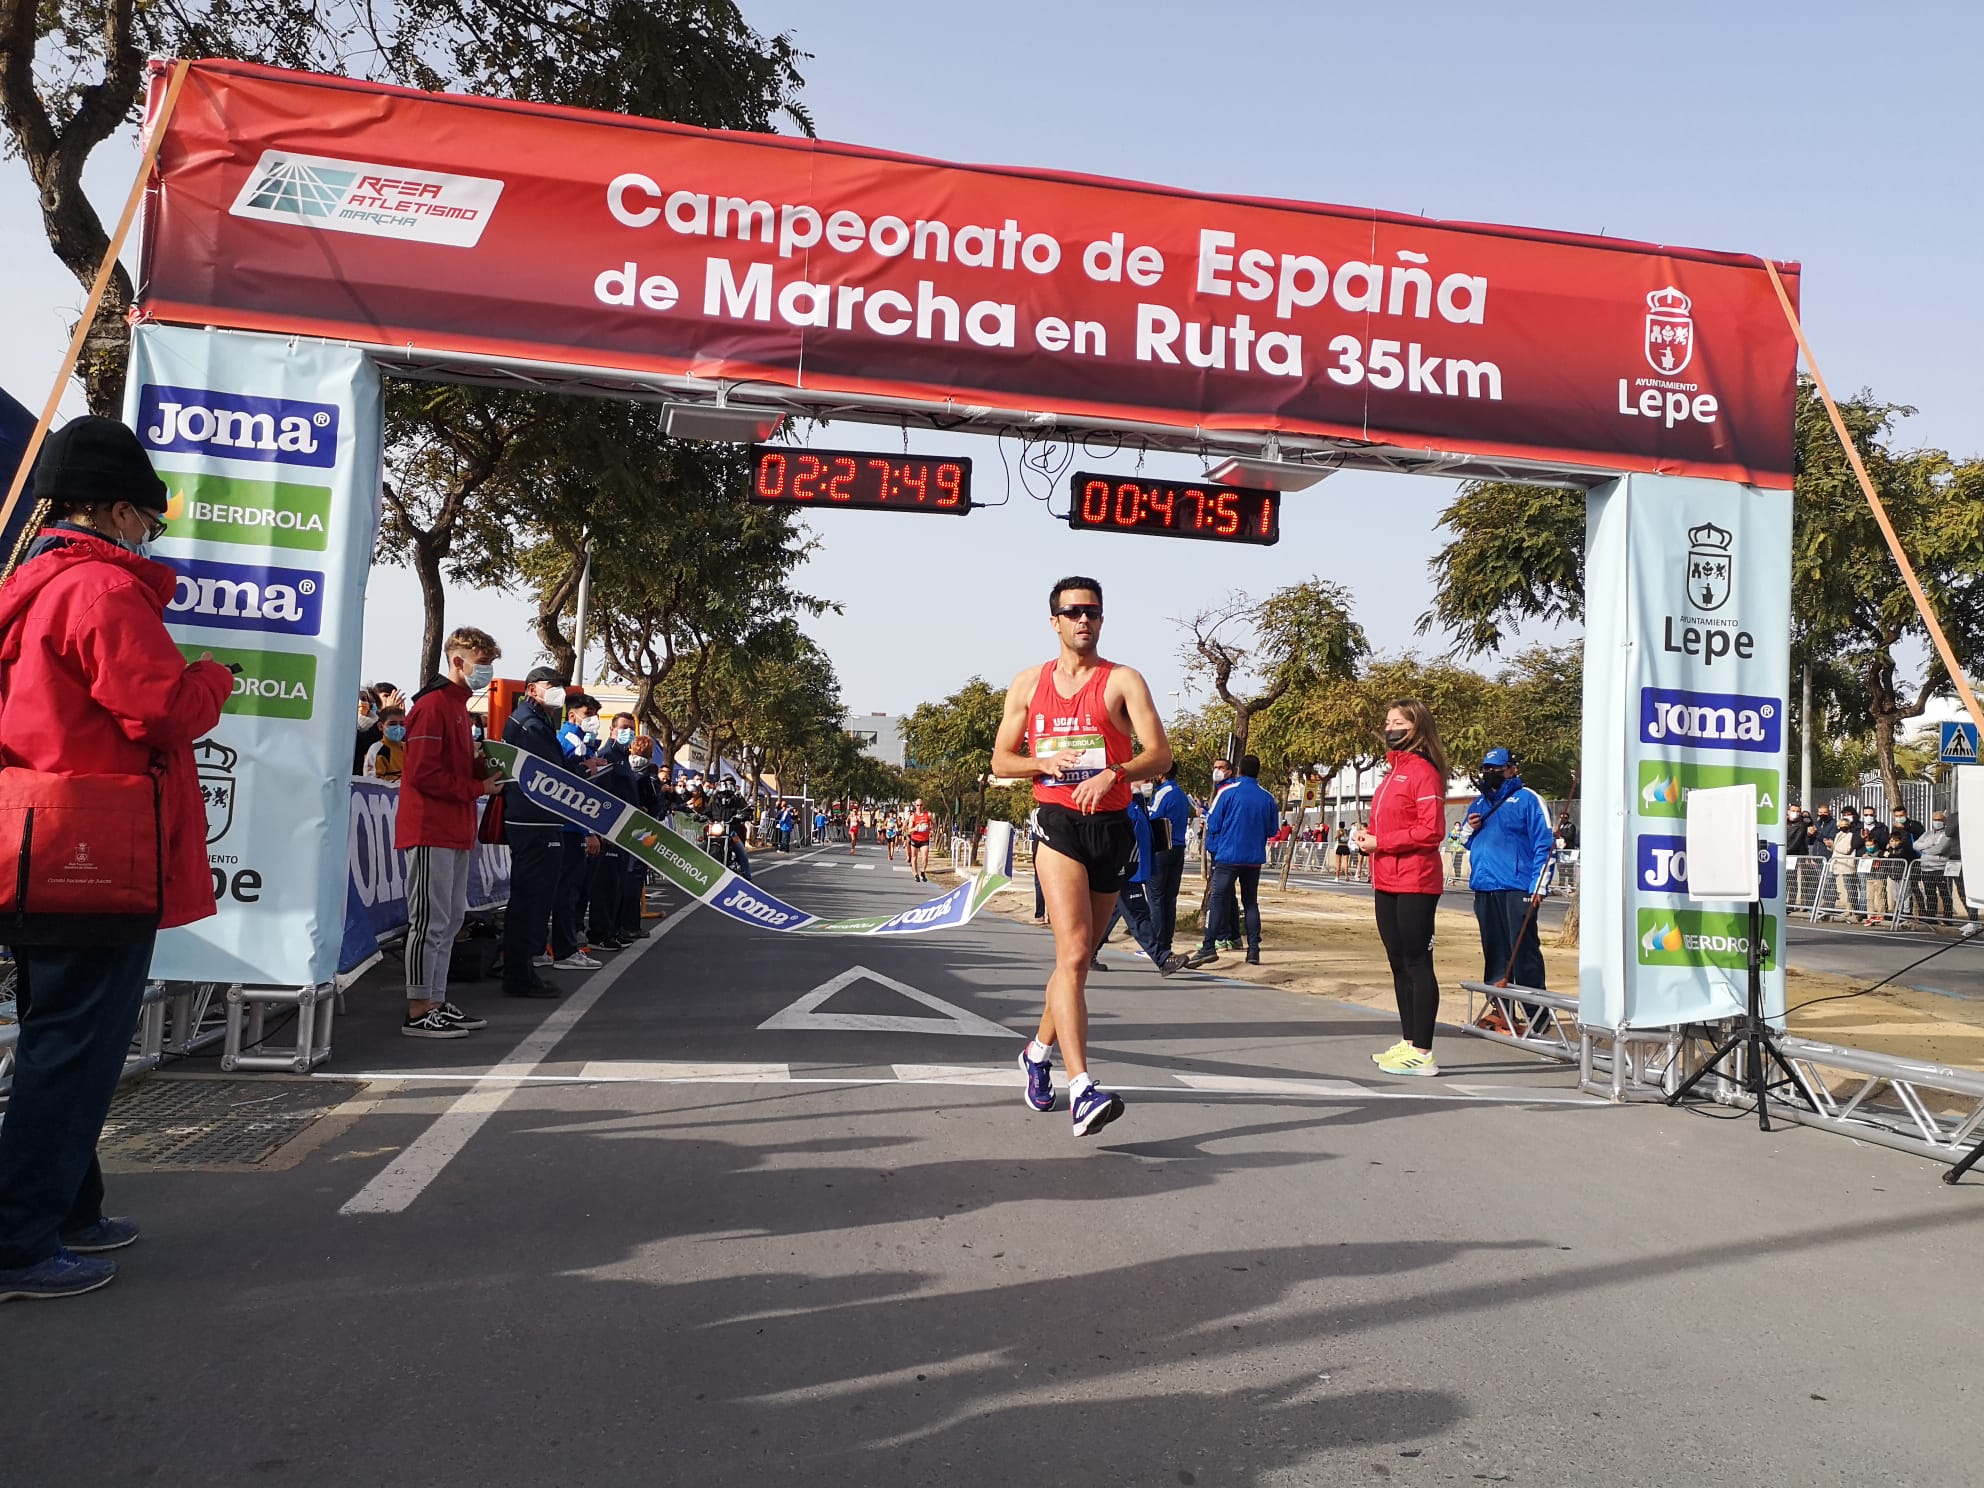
<point>577,961</point>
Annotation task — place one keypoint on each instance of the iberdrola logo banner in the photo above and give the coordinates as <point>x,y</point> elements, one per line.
<point>702,877</point>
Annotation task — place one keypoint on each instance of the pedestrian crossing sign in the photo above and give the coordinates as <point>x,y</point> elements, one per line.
<point>1959,744</point>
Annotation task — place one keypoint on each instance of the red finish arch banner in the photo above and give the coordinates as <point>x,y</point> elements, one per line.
<point>482,228</point>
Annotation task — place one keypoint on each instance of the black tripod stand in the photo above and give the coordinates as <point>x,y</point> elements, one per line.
<point>1757,1040</point>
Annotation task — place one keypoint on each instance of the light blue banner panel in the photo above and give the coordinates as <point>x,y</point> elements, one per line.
<point>270,448</point>
<point>1687,671</point>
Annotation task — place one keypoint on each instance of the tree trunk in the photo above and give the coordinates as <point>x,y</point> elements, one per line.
<point>427,556</point>
<point>551,604</point>
<point>1568,935</point>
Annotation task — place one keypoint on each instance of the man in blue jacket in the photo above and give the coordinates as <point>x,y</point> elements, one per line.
<point>1242,818</point>
<point>1510,853</point>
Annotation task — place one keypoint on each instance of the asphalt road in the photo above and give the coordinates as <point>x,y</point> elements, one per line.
<point>636,1238</point>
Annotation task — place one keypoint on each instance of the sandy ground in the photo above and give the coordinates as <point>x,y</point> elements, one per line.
<point>1313,946</point>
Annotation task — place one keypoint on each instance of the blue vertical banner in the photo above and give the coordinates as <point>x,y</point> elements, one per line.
<point>271,451</point>
<point>1687,675</point>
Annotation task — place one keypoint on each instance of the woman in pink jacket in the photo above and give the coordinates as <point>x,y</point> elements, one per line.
<point>1408,824</point>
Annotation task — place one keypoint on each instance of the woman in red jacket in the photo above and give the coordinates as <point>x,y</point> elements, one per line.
<point>91,684</point>
<point>1408,824</point>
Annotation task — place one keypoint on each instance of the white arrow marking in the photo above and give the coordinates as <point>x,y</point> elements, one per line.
<point>950,1017</point>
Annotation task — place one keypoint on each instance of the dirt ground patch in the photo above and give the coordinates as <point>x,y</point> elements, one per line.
<point>1330,949</point>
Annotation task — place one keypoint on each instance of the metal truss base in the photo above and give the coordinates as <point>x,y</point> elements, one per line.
<point>247,1010</point>
<point>1929,1110</point>
<point>1502,1015</point>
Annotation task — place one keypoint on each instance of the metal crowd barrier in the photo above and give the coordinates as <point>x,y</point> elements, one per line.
<point>1890,895</point>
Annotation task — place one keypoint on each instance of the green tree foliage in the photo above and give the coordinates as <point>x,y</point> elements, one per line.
<point>1517,555</point>
<point>1847,601</point>
<point>950,751</point>
<point>1198,738</point>
<point>1253,653</point>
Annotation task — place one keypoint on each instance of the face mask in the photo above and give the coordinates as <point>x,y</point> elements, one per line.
<point>396,732</point>
<point>1218,774</point>
<point>590,727</point>
<point>623,736</point>
<point>1395,738</point>
<point>554,697</point>
<point>639,761</point>
<point>480,675</point>
<point>476,731</point>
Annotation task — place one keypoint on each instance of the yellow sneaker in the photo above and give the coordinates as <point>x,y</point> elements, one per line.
<point>1411,1062</point>
<point>1392,1053</point>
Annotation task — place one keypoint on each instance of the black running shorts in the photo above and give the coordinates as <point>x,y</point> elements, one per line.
<point>1103,842</point>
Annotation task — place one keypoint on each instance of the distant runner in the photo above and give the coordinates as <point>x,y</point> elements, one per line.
<point>921,825</point>
<point>1077,716</point>
<point>853,827</point>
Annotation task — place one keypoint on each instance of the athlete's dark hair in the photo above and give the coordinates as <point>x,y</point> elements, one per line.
<point>1250,766</point>
<point>1074,581</point>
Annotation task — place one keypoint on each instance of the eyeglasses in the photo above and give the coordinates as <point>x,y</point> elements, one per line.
<point>1079,612</point>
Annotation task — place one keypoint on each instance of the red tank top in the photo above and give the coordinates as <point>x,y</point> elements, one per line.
<point>1056,723</point>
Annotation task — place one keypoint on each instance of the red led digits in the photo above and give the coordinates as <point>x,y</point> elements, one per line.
<point>1237,514</point>
<point>859,479</point>
<point>1226,517</point>
<point>1129,504</point>
<point>771,477</point>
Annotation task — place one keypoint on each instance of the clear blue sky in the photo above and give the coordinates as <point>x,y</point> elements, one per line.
<point>1846,137</point>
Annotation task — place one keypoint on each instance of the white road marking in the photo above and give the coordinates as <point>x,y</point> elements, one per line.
<point>637,1072</point>
<point>667,1072</point>
<point>407,1176</point>
<point>864,867</point>
<point>1268,1085</point>
<point>958,1074</point>
<point>951,1018</point>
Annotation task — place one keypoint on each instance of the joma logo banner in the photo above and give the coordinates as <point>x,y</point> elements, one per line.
<point>1711,720</point>
<point>237,426</point>
<point>240,596</point>
<point>741,903</point>
<point>568,799</point>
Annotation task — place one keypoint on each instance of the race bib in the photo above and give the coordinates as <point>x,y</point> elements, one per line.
<point>1094,757</point>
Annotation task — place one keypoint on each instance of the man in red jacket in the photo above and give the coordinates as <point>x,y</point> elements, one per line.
<point>441,779</point>
<point>91,684</point>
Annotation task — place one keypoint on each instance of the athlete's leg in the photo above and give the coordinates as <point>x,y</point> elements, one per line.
<point>1074,913</point>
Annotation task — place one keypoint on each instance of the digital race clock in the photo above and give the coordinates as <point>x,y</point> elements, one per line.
<point>860,479</point>
<point>1118,503</point>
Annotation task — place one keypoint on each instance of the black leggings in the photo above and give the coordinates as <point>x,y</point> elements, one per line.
<point>1405,925</point>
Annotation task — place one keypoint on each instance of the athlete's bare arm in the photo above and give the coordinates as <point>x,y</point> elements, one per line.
<point>1127,696</point>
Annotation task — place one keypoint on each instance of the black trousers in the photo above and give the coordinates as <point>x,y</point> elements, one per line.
<point>1508,929</point>
<point>78,1007</point>
<point>568,905</point>
<point>1167,873</point>
<point>537,854</point>
<point>1405,925</point>
<point>1222,915</point>
<point>607,898</point>
<point>1133,909</point>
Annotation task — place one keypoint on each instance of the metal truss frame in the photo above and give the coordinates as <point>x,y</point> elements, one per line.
<point>948,415</point>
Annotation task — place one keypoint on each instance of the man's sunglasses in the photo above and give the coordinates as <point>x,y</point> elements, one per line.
<point>1079,612</point>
